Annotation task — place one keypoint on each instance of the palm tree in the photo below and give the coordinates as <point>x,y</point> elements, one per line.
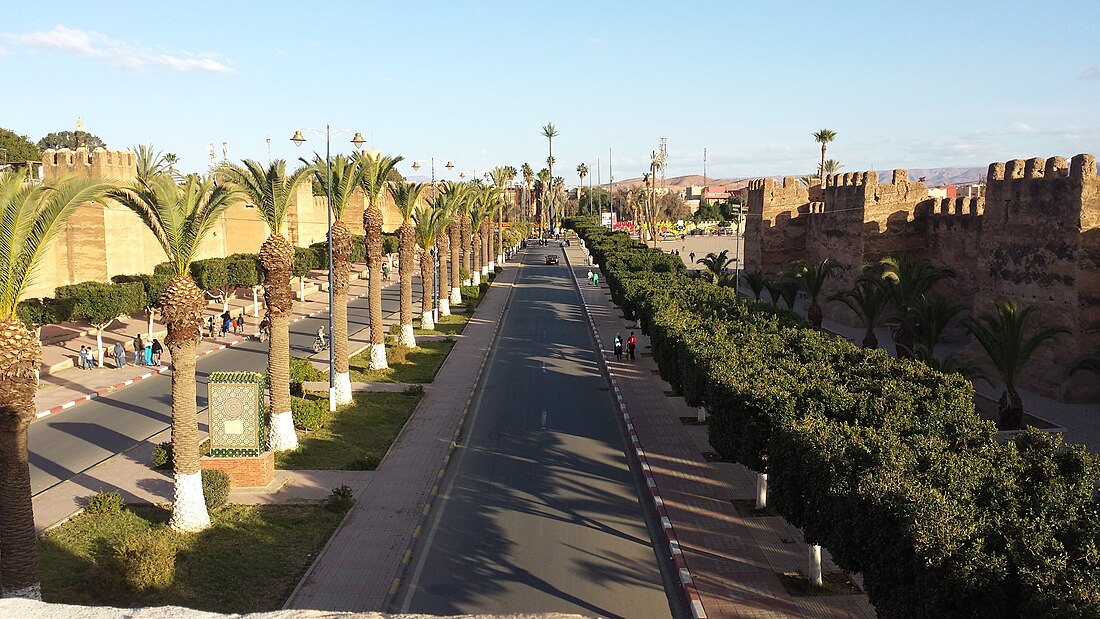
<point>464,209</point>
<point>148,161</point>
<point>171,159</point>
<point>928,318</point>
<point>271,191</point>
<point>455,204</point>
<point>528,181</point>
<point>582,172</point>
<point>376,173</point>
<point>716,264</point>
<point>443,249</point>
<point>429,222</point>
<point>501,176</point>
<point>832,166</point>
<point>1009,339</point>
<point>543,181</point>
<point>755,280</point>
<point>823,138</point>
<point>406,196</point>
<point>906,280</point>
<point>30,217</point>
<point>347,176</point>
<point>1087,362</point>
<point>181,218</point>
<point>811,276</point>
<point>869,300</point>
<point>549,132</point>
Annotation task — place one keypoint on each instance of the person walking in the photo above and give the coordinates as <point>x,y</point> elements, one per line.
<point>226,320</point>
<point>631,344</point>
<point>589,275</point>
<point>691,257</point>
<point>147,353</point>
<point>82,358</point>
<point>618,347</point>
<point>596,279</point>
<point>157,350</point>
<point>119,354</point>
<point>139,350</point>
<point>240,321</point>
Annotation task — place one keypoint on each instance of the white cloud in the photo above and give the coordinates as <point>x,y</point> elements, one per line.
<point>126,55</point>
<point>595,40</point>
<point>1092,73</point>
<point>1021,128</point>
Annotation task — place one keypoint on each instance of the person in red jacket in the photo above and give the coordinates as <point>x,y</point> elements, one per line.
<point>631,343</point>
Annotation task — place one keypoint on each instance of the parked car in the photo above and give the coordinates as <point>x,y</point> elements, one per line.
<point>551,258</point>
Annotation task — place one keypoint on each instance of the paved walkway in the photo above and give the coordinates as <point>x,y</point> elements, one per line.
<point>360,567</point>
<point>63,385</point>
<point>732,561</point>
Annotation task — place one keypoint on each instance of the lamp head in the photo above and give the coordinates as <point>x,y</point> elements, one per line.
<point>416,165</point>
<point>358,140</point>
<point>450,166</point>
<point>298,138</point>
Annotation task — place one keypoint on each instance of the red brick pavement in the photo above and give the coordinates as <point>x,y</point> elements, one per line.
<point>731,561</point>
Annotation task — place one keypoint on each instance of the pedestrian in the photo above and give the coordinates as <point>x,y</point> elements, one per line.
<point>210,325</point>
<point>631,343</point>
<point>590,275</point>
<point>82,358</point>
<point>226,320</point>
<point>139,347</point>
<point>385,272</point>
<point>233,325</point>
<point>595,279</point>
<point>691,257</point>
<point>240,321</point>
<point>157,351</point>
<point>147,352</point>
<point>120,355</point>
<point>618,347</point>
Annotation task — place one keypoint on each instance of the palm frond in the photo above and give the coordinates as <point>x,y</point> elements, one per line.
<point>406,196</point>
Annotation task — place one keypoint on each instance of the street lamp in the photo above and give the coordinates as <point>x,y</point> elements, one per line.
<point>358,141</point>
<point>435,250</point>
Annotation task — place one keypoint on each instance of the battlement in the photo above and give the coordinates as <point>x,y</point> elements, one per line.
<point>851,179</point>
<point>101,163</point>
<point>1082,167</point>
<point>958,206</point>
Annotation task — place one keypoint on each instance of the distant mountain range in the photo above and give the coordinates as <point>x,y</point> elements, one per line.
<point>933,177</point>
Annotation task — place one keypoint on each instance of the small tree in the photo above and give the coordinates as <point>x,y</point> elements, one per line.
<point>101,304</point>
<point>154,286</point>
<point>811,276</point>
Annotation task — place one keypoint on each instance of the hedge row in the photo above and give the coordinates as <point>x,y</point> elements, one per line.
<point>882,461</point>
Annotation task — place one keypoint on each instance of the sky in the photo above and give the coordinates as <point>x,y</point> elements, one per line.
<point>903,85</point>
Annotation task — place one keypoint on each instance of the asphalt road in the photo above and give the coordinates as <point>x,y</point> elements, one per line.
<point>539,511</point>
<point>68,443</point>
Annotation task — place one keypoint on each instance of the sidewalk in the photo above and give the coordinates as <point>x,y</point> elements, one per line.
<point>61,389</point>
<point>361,566</point>
<point>729,564</point>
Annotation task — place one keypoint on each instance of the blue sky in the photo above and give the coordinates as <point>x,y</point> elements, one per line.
<point>913,85</point>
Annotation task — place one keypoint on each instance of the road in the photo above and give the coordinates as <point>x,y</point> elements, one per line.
<point>539,511</point>
<point>68,443</point>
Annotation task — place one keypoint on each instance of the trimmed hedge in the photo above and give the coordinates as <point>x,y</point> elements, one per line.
<point>883,461</point>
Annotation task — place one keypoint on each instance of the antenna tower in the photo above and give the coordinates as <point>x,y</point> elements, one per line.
<point>664,159</point>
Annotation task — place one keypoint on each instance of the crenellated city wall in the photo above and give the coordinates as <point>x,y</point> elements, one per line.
<point>100,242</point>
<point>1034,240</point>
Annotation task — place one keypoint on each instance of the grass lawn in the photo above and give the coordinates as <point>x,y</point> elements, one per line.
<point>447,325</point>
<point>248,561</point>
<point>419,366</point>
<point>356,438</point>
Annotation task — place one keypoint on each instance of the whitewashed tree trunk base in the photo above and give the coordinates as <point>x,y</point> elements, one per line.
<point>491,268</point>
<point>761,491</point>
<point>33,592</point>
<point>378,357</point>
<point>815,566</point>
<point>282,432</point>
<point>456,296</point>
<point>444,307</point>
<point>342,384</point>
<point>406,337</point>
<point>477,278</point>
<point>467,282</point>
<point>189,513</point>
<point>702,415</point>
<point>426,320</point>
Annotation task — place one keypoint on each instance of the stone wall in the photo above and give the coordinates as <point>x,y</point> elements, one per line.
<point>1034,240</point>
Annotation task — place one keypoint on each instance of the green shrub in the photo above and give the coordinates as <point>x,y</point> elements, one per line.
<point>340,500</point>
<point>105,503</point>
<point>215,488</point>
<point>397,354</point>
<point>463,273</point>
<point>162,456</point>
<point>309,413</point>
<point>470,293</point>
<point>390,243</point>
<point>482,288</point>
<point>146,560</point>
<point>415,390</point>
<point>302,371</point>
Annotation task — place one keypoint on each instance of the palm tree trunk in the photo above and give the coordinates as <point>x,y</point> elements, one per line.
<point>475,255</point>
<point>821,170</point>
<point>341,275</point>
<point>20,352</point>
<point>870,340</point>
<point>1012,411</point>
<point>486,246</point>
<point>903,342</point>
<point>443,249</point>
<point>426,321</point>
<point>455,232</point>
<point>373,219</point>
<point>281,431</point>
<point>467,257</point>
<point>406,250</point>
<point>814,314</point>
<point>189,507</point>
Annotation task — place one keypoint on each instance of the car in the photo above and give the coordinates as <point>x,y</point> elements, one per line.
<point>551,259</point>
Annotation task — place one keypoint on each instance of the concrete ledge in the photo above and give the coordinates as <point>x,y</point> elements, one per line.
<point>29,609</point>
<point>369,387</point>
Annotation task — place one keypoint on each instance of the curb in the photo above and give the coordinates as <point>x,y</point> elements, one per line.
<point>426,507</point>
<point>687,581</point>
<point>161,369</point>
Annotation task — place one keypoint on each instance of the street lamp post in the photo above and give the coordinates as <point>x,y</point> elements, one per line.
<point>436,278</point>
<point>358,141</point>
